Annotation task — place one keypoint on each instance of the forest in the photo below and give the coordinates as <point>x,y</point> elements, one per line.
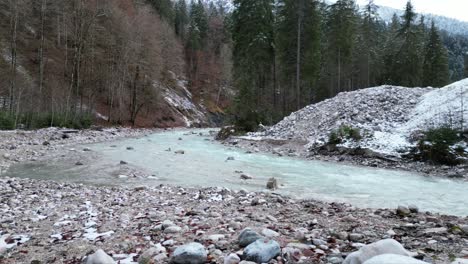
<point>253,61</point>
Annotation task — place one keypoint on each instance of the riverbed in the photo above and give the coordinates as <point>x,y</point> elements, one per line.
<point>191,158</point>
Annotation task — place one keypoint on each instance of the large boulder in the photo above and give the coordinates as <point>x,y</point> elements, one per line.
<point>393,259</point>
<point>247,237</point>
<point>262,251</point>
<point>386,246</point>
<point>193,253</point>
<point>99,257</point>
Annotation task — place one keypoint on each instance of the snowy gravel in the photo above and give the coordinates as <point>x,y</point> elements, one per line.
<point>386,115</point>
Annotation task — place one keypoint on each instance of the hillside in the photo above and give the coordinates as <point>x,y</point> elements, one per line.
<point>121,62</point>
<point>387,116</point>
<point>451,25</point>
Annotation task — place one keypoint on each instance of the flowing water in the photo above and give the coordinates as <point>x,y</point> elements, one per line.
<point>205,164</point>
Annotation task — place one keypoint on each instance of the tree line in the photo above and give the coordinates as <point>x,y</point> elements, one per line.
<point>63,61</point>
<point>291,53</point>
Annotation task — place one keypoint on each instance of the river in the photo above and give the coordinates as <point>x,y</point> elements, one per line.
<point>205,163</point>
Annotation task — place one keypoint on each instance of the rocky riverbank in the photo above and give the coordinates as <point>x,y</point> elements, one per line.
<point>377,127</point>
<point>50,222</point>
<point>22,145</point>
<point>358,157</point>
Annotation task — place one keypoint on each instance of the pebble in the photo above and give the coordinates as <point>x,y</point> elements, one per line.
<point>232,259</point>
<point>99,257</point>
<point>192,253</point>
<point>248,236</point>
<point>262,251</point>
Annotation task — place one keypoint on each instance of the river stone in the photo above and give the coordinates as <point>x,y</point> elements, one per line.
<point>272,184</point>
<point>147,255</point>
<point>403,211</point>
<point>99,257</point>
<point>392,259</point>
<point>386,246</point>
<point>262,251</point>
<point>355,237</point>
<point>269,233</point>
<point>247,237</point>
<point>464,228</point>
<point>413,208</point>
<point>172,230</point>
<point>193,253</point>
<point>232,259</point>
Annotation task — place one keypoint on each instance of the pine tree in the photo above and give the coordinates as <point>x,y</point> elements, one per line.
<point>392,44</point>
<point>298,46</point>
<point>368,55</point>
<point>342,24</point>
<point>408,65</point>
<point>254,56</point>
<point>181,18</point>
<point>165,9</point>
<point>198,26</point>
<point>465,72</point>
<point>435,70</point>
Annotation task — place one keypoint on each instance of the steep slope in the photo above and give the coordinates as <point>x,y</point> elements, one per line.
<point>118,61</point>
<point>387,116</point>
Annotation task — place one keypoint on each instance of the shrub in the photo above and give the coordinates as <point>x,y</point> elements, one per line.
<point>344,133</point>
<point>7,121</point>
<point>436,146</point>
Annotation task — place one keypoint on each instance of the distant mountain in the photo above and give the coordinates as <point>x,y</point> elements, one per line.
<point>451,25</point>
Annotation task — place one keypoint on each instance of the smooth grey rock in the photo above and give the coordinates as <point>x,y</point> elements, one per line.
<point>193,253</point>
<point>403,211</point>
<point>272,184</point>
<point>413,208</point>
<point>386,246</point>
<point>262,251</point>
<point>232,259</point>
<point>148,255</point>
<point>173,230</point>
<point>269,233</point>
<point>355,237</point>
<point>335,260</point>
<point>99,257</point>
<point>393,259</point>
<point>247,237</point>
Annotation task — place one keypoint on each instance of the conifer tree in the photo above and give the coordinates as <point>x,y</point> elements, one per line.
<point>435,70</point>
<point>341,24</point>
<point>368,55</point>
<point>181,18</point>
<point>165,9</point>
<point>408,70</point>
<point>298,46</point>
<point>254,56</point>
<point>465,72</point>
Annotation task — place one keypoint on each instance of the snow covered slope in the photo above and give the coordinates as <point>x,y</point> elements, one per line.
<point>387,116</point>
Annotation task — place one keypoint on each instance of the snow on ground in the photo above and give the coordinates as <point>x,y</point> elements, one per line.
<point>386,115</point>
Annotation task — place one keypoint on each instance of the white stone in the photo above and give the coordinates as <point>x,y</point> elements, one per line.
<point>270,233</point>
<point>99,257</point>
<point>232,259</point>
<point>393,259</point>
<point>387,246</point>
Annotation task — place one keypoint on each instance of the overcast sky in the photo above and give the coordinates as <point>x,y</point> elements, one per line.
<point>450,8</point>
